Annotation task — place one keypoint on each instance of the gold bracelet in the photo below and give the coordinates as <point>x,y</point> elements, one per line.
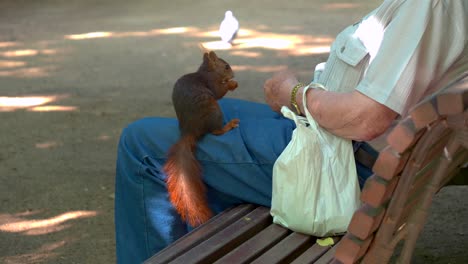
<point>293,97</point>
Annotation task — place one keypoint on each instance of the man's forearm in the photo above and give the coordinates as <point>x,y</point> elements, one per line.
<point>349,115</point>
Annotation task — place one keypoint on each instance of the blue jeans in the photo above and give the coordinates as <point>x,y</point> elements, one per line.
<point>237,168</point>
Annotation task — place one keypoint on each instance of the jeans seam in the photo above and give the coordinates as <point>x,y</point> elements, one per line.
<point>228,163</point>
<point>237,163</point>
<point>145,216</point>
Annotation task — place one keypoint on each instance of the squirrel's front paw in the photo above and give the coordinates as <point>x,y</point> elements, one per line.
<point>229,126</point>
<point>233,123</point>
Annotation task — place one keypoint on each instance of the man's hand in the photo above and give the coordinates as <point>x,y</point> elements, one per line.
<point>278,89</point>
<point>350,115</point>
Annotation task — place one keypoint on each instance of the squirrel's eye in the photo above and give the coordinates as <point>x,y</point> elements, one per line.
<point>227,67</point>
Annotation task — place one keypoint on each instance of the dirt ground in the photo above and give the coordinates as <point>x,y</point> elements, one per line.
<point>74,73</point>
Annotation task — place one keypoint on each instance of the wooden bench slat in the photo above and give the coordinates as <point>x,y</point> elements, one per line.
<point>407,177</point>
<point>314,253</point>
<point>458,121</point>
<point>228,238</point>
<point>402,206</point>
<point>328,257</point>
<point>377,254</point>
<point>424,175</point>
<point>423,179</point>
<point>453,170</point>
<point>437,148</point>
<point>286,250</point>
<point>255,246</point>
<point>462,136</point>
<point>201,233</point>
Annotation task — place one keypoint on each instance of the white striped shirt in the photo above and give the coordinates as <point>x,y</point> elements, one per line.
<point>401,52</point>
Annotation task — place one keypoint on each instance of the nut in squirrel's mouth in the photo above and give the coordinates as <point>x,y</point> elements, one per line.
<point>227,80</point>
<point>231,84</point>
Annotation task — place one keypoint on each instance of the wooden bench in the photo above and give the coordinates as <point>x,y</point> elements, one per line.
<point>424,151</point>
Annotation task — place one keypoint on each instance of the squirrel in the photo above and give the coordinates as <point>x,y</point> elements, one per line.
<point>195,98</point>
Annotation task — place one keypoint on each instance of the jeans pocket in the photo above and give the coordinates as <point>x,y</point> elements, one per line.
<point>152,169</point>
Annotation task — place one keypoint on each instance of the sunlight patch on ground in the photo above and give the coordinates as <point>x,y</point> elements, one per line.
<point>33,103</point>
<point>176,30</point>
<point>27,52</point>
<point>265,69</point>
<point>53,108</point>
<point>153,32</point>
<point>311,50</point>
<point>104,137</point>
<point>23,223</point>
<point>18,69</point>
<point>49,51</point>
<point>26,101</point>
<point>267,42</point>
<point>40,255</point>
<point>7,44</point>
<point>89,35</point>
<point>19,53</point>
<point>48,144</point>
<point>31,72</point>
<point>11,64</point>
<point>333,6</point>
<point>293,44</point>
<point>248,54</point>
<point>29,258</point>
<point>16,224</point>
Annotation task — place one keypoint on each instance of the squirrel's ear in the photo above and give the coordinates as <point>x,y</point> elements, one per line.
<point>213,56</point>
<point>207,57</point>
<point>210,59</point>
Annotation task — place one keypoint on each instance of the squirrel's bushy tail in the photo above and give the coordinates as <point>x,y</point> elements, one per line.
<point>184,182</point>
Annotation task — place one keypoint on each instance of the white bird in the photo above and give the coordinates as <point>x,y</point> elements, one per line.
<point>229,27</point>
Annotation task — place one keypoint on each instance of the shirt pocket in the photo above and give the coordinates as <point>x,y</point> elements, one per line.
<point>346,63</point>
<point>350,49</point>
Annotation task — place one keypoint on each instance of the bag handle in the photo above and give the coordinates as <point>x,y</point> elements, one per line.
<point>311,120</point>
<point>289,114</point>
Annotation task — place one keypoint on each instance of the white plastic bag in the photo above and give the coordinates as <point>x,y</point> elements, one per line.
<point>315,185</point>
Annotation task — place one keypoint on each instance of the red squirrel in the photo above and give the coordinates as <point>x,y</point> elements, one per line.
<point>195,98</point>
